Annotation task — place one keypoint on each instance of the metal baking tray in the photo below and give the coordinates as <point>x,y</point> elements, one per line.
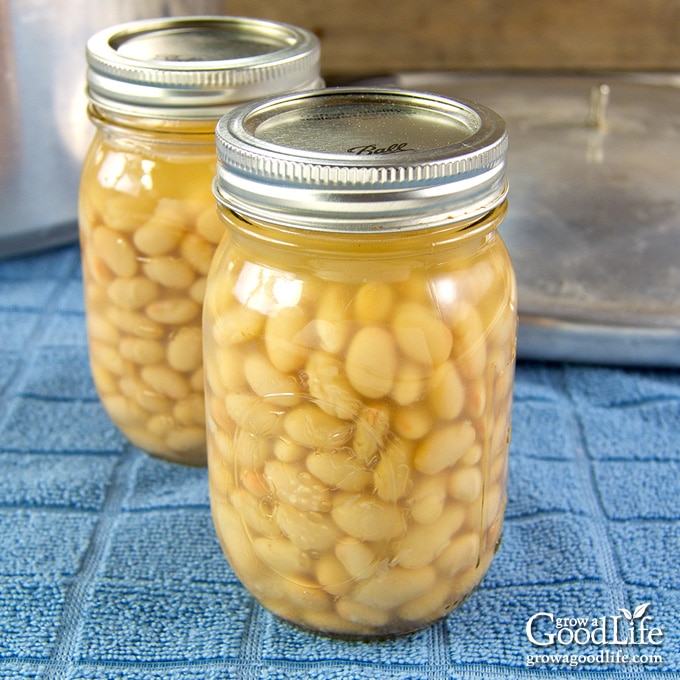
<point>593,225</point>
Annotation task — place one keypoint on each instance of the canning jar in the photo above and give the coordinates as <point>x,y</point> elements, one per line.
<point>359,347</point>
<point>148,223</point>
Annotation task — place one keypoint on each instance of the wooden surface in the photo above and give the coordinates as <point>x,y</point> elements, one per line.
<point>362,37</point>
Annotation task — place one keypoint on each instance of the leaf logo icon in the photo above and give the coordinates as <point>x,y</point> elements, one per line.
<point>641,610</point>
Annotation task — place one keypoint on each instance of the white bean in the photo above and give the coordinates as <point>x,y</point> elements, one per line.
<point>430,605</point>
<point>250,510</point>
<point>371,362</point>
<point>469,347</point>
<point>165,381</point>
<point>250,450</point>
<point>421,336</point>
<point>475,398</point>
<point>253,480</point>
<point>197,289</point>
<point>282,556</point>
<point>426,501</point>
<point>412,422</point>
<point>289,452</point>
<point>332,622</point>
<point>210,226</point>
<point>309,531</point>
<point>297,487</point>
<point>185,349</point>
<point>135,323</point>
<point>141,437</point>
<point>163,231</point>
<point>444,447</point>
<point>447,393</point>
<point>409,383</point>
<point>310,426</point>
<point>284,339</point>
<point>197,252</point>
<point>132,293</point>
<point>332,322</point>
<point>373,302</point>
<point>236,542</point>
<point>252,415</point>
<point>124,212</point>
<point>329,386</point>
<point>358,560</point>
<point>465,484</point>
<point>190,410</point>
<point>392,475</point>
<point>290,598</point>
<point>142,351</point>
<point>362,614</point>
<point>332,575</point>
<point>461,554</point>
<point>197,379</point>
<point>371,428</point>
<point>424,542</point>
<point>123,411</point>
<point>394,587</point>
<point>169,271</point>
<point>95,271</point>
<point>225,370</point>
<point>135,388</point>
<point>115,250</point>
<point>108,357</point>
<point>270,383</point>
<point>366,518</point>
<point>186,440</point>
<point>222,443</point>
<point>237,324</point>
<point>473,456</point>
<point>100,328</point>
<point>339,470</point>
<point>160,423</point>
<point>105,381</point>
<point>173,311</point>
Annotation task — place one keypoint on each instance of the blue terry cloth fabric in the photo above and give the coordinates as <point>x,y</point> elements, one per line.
<point>110,569</point>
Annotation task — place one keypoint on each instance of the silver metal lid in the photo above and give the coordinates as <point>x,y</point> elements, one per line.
<point>197,67</point>
<point>361,159</point>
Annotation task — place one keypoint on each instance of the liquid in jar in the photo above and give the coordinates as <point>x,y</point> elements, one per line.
<point>359,400</point>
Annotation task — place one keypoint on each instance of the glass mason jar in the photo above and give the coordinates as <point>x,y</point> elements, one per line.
<point>148,223</point>
<point>359,348</point>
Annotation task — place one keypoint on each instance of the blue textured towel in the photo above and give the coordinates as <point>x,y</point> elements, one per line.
<point>110,569</point>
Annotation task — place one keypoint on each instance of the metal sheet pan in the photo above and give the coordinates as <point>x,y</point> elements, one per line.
<point>594,212</point>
